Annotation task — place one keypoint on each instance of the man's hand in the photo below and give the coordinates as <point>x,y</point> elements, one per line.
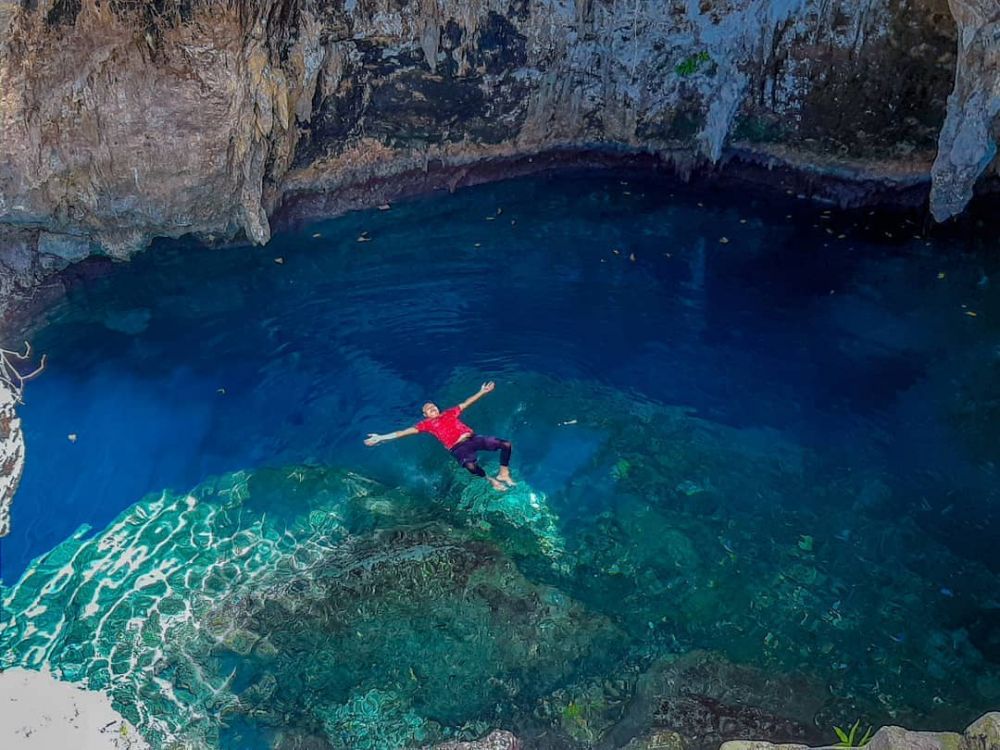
<point>487,387</point>
<point>373,439</point>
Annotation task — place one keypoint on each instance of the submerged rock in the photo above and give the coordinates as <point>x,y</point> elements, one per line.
<point>329,610</point>
<point>258,593</point>
<point>450,624</point>
<point>130,322</point>
<point>699,700</point>
<point>522,507</point>
<point>65,247</point>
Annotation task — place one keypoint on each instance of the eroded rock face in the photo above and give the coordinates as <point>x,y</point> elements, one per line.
<point>11,453</point>
<point>120,122</point>
<point>114,135</point>
<point>968,138</point>
<point>471,80</point>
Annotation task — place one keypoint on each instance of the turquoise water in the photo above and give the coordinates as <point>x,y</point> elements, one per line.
<point>755,441</point>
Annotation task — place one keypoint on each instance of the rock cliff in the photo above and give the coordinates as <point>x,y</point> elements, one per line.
<point>968,138</point>
<point>11,453</point>
<point>122,121</point>
<point>13,376</point>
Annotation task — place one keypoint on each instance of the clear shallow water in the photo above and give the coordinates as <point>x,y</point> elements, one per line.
<point>778,448</point>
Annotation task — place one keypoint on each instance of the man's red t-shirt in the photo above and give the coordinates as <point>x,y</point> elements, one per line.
<point>446,427</point>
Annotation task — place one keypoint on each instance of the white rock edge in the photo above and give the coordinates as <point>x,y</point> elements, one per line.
<point>11,453</point>
<point>38,711</point>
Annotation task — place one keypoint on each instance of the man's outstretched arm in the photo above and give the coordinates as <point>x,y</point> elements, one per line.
<point>374,438</point>
<point>483,390</point>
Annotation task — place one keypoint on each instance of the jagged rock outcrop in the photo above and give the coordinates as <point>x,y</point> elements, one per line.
<point>11,453</point>
<point>968,138</point>
<point>12,380</point>
<point>120,122</point>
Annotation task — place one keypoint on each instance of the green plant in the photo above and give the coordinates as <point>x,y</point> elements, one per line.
<point>689,66</point>
<point>577,715</point>
<point>572,712</point>
<point>621,469</point>
<point>848,739</point>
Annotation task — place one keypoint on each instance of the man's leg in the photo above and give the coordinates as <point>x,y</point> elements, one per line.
<point>505,447</point>
<point>465,454</point>
<point>473,467</point>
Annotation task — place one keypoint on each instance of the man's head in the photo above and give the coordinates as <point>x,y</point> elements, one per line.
<point>430,410</point>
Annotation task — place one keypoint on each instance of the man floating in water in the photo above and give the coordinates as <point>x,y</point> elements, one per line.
<point>459,438</point>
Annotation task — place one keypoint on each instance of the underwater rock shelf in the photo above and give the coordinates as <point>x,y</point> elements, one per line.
<point>11,453</point>
<point>352,585</point>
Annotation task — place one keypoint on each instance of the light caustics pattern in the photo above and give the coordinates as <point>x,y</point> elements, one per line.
<point>144,608</point>
<point>118,610</point>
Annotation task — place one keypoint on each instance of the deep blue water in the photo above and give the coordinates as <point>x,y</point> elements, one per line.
<point>839,344</point>
<point>784,327</point>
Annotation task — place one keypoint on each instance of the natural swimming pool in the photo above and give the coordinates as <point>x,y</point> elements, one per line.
<point>755,441</point>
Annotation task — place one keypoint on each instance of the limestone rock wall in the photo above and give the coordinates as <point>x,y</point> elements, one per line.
<point>122,121</point>
<point>412,82</point>
<point>116,127</point>
<point>968,138</point>
<point>11,453</point>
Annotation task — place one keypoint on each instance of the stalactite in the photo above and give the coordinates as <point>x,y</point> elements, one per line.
<point>967,144</point>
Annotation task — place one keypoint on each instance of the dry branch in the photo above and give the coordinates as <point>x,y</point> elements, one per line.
<point>10,372</point>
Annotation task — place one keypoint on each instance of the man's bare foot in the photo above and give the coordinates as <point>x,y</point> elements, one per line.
<point>504,476</point>
<point>497,485</point>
